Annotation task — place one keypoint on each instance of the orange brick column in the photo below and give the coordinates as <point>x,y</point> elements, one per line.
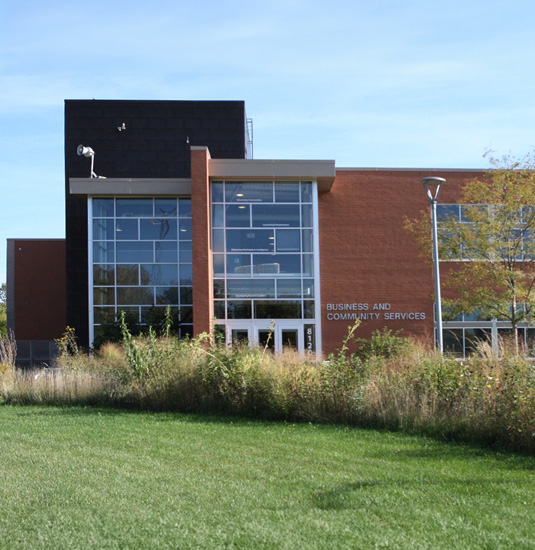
<point>203,309</point>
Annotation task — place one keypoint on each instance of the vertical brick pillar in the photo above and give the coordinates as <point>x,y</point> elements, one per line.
<point>203,309</point>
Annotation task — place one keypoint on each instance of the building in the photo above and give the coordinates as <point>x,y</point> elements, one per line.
<point>166,208</point>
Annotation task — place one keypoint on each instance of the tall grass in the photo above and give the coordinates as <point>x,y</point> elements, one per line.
<point>391,382</point>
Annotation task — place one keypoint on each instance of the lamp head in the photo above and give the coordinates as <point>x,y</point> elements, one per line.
<point>82,150</point>
<point>432,182</point>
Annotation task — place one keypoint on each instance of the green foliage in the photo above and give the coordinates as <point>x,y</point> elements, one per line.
<point>160,320</point>
<point>389,382</point>
<point>497,276</point>
<point>385,344</point>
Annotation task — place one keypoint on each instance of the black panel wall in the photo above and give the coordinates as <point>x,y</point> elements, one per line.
<point>153,145</point>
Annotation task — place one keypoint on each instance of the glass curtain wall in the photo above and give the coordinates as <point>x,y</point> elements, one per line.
<point>263,246</point>
<point>141,261</point>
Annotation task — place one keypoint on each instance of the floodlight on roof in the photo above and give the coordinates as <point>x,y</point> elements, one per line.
<point>83,151</point>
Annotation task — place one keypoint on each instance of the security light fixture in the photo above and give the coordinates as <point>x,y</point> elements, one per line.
<point>87,152</point>
<point>434,184</point>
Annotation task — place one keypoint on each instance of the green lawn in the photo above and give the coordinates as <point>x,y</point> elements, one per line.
<point>99,479</point>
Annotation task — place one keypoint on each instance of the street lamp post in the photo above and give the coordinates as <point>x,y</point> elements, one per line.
<point>430,185</point>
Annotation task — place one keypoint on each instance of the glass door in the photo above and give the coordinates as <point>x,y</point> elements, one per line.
<point>285,335</point>
<point>266,339</point>
<point>282,335</point>
<point>240,336</point>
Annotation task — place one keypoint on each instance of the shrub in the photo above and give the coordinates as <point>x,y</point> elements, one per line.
<point>385,343</point>
<point>390,381</point>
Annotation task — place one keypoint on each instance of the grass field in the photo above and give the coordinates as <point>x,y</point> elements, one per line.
<point>102,479</point>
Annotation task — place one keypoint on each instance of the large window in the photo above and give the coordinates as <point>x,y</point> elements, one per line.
<point>263,250</point>
<point>516,234</point>
<point>141,260</point>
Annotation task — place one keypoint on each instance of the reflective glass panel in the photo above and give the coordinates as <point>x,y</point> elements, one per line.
<point>135,295</point>
<point>237,215</point>
<point>249,240</point>
<point>219,309</point>
<point>103,230</point>
<point>288,240</point>
<point>474,337</point>
<point>103,252</point>
<point>275,215</point>
<point>306,192</point>
<point>159,274</point>
<point>286,192</point>
<point>218,217</point>
<point>104,296</point>
<point>218,240</point>
<point>126,230</point>
<point>104,315</point>
<point>249,192</point>
<point>308,265</point>
<point>184,208</point>
<point>103,274</point>
<point>186,277</point>
<point>277,309</point>
<point>128,274</point>
<point>473,212</point>
<point>130,208</point>
<point>453,341</point>
<point>219,288</point>
<point>238,264</point>
<point>284,264</point>
<point>307,220</point>
<point>239,309</point>
<point>308,309</point>
<point>250,288</point>
<point>103,208</point>
<point>308,288</point>
<point>131,314</point>
<point>308,240</point>
<point>184,233</point>
<point>165,208</point>
<point>447,211</point>
<point>165,252</point>
<point>158,229</point>
<point>134,252</point>
<point>185,254</point>
<point>217,192</point>
<point>289,288</point>
<point>155,316</point>
<point>186,314</point>
<point>167,295</point>
<point>219,264</point>
<point>186,295</point>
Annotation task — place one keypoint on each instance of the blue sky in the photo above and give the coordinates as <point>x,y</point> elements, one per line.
<point>396,83</point>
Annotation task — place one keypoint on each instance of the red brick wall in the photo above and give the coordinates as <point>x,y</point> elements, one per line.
<point>39,287</point>
<point>367,256</point>
<point>202,258</point>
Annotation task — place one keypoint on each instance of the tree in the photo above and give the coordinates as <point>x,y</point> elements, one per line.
<point>495,239</point>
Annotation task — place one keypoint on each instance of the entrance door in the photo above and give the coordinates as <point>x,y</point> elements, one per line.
<point>283,335</point>
<point>240,336</point>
